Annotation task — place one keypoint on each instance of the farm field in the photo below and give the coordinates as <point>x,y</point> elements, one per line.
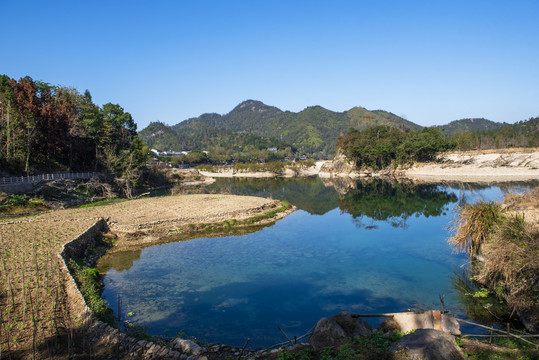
<point>35,316</point>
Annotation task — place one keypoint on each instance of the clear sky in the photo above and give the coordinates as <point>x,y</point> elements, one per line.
<point>430,61</point>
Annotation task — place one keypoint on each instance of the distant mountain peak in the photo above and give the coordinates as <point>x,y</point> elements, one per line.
<point>254,106</point>
<point>470,124</point>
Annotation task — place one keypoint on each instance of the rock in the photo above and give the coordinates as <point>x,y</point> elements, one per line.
<point>337,330</point>
<point>429,344</point>
<point>431,319</point>
<point>529,320</point>
<point>450,324</point>
<point>187,346</point>
<point>196,357</point>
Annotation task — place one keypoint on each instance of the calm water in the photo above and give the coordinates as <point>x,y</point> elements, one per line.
<point>378,247</point>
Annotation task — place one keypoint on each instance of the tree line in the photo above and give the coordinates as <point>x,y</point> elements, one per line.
<point>381,146</point>
<point>520,134</point>
<point>45,127</point>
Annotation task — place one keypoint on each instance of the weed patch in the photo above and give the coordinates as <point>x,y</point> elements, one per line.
<point>87,280</point>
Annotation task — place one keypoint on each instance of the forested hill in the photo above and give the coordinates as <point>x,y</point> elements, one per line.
<point>470,124</point>
<point>312,131</point>
<point>49,128</point>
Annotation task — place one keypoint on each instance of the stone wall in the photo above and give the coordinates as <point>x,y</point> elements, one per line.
<point>100,336</point>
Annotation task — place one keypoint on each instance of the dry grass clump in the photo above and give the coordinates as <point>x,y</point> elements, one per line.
<point>512,264</point>
<point>507,238</point>
<point>474,225</point>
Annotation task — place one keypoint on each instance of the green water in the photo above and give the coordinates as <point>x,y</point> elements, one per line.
<point>376,247</point>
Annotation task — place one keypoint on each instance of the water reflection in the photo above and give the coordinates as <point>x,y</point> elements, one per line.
<point>375,199</point>
<point>313,263</point>
<point>306,193</point>
<point>394,202</point>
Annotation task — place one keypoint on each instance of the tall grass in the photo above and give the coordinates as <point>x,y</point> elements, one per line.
<point>512,264</point>
<point>474,225</point>
<point>509,248</point>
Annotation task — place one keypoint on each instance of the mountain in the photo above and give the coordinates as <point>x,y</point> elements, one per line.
<point>312,130</point>
<point>160,136</point>
<point>470,124</point>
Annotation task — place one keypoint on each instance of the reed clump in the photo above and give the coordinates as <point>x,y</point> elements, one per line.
<point>511,265</point>
<point>506,244</point>
<point>474,226</point>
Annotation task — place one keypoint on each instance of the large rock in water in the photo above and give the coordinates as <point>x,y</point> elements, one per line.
<point>428,344</point>
<point>338,330</point>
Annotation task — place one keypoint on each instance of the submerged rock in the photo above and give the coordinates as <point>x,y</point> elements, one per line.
<point>429,344</point>
<point>338,330</point>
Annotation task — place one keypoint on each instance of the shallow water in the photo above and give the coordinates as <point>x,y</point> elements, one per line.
<point>380,248</point>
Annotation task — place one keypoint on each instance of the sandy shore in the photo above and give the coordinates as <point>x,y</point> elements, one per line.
<point>229,172</point>
<point>470,166</point>
<point>479,167</point>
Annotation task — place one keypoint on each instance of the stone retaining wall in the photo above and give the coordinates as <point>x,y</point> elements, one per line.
<point>99,334</point>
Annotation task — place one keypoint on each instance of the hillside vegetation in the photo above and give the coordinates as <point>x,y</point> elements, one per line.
<point>520,134</point>
<point>246,132</point>
<point>45,127</point>
<point>381,146</point>
<point>313,131</point>
<point>470,125</point>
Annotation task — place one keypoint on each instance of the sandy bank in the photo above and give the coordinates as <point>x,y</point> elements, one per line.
<point>229,172</point>
<point>479,167</point>
<point>470,166</point>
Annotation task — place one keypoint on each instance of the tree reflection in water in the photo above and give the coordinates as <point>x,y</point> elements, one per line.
<point>394,201</point>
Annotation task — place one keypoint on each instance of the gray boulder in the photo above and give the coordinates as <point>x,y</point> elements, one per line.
<point>428,344</point>
<point>187,347</point>
<point>338,330</point>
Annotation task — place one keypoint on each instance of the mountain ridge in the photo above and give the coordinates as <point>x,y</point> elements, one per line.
<point>470,124</point>
<point>311,130</point>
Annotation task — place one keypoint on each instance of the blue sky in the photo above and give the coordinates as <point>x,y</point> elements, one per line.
<point>429,61</point>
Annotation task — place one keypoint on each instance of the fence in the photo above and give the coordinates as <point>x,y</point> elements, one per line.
<point>14,180</point>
